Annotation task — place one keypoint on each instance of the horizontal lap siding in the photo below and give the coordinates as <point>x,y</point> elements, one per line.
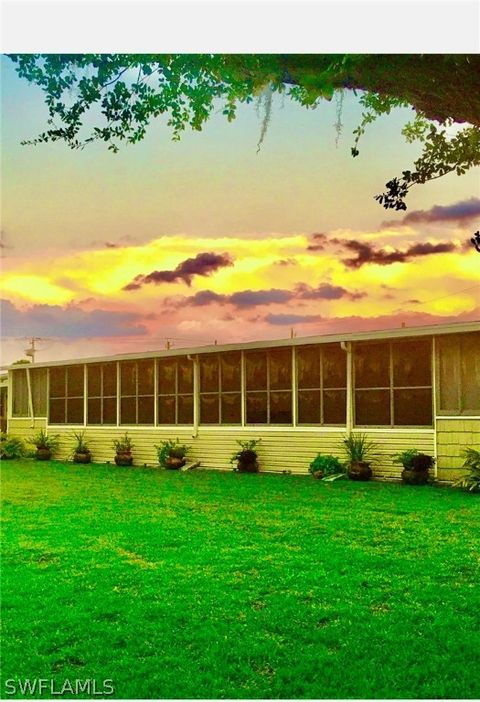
<point>391,443</point>
<point>294,450</point>
<point>289,449</point>
<point>24,427</point>
<point>280,450</point>
<point>100,441</point>
<point>453,436</point>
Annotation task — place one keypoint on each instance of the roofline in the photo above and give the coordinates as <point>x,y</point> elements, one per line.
<point>403,332</point>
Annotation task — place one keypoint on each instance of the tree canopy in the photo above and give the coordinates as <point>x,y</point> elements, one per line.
<point>125,92</point>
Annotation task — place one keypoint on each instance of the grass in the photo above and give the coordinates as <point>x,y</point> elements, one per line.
<point>208,584</point>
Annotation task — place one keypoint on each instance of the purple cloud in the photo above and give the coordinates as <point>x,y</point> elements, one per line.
<point>366,253</point>
<point>252,298</point>
<point>461,212</point>
<point>357,323</point>
<point>246,299</point>
<point>70,321</point>
<point>319,242</point>
<point>325,291</point>
<point>204,264</point>
<point>286,319</point>
<point>205,297</point>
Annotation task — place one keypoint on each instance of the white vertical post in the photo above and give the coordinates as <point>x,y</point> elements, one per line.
<point>118,392</point>
<point>434,407</point>
<point>9,397</point>
<point>243,388</point>
<point>48,396</point>
<point>390,365</point>
<point>155,391</point>
<point>196,395</point>
<point>85,391</point>
<point>294,386</point>
<point>30,398</point>
<point>348,349</point>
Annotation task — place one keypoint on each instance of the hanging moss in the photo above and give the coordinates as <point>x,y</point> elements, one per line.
<point>130,90</point>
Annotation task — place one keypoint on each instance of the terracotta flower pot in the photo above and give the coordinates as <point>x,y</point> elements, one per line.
<point>174,462</point>
<point>359,470</point>
<point>414,477</point>
<point>318,474</point>
<point>43,454</point>
<point>82,457</point>
<point>123,459</point>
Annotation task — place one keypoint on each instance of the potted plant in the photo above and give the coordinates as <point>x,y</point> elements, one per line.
<point>360,454</point>
<point>123,450</point>
<point>325,465</point>
<point>46,445</point>
<point>172,454</point>
<point>246,457</point>
<point>81,452</point>
<point>470,481</point>
<point>11,447</point>
<point>415,466</point>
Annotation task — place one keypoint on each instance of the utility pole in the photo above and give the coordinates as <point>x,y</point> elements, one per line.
<point>31,351</point>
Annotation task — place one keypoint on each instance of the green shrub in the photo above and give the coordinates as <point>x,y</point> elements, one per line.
<point>358,449</point>
<point>171,449</point>
<point>327,464</point>
<point>81,446</point>
<point>405,458</point>
<point>470,481</point>
<point>250,445</point>
<point>11,446</point>
<point>41,440</point>
<point>123,444</point>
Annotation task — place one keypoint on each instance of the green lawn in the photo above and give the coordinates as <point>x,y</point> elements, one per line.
<point>208,584</point>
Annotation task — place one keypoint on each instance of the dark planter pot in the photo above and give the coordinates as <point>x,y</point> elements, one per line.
<point>422,462</point>
<point>359,470</point>
<point>414,477</point>
<point>123,459</point>
<point>80,457</point>
<point>248,467</point>
<point>174,463</point>
<point>318,474</point>
<point>43,454</point>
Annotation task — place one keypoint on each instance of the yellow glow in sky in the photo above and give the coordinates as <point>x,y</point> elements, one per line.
<point>37,289</point>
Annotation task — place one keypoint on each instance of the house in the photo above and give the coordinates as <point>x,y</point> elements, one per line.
<point>409,387</point>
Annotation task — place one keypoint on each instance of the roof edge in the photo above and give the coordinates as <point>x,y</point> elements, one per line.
<point>399,332</point>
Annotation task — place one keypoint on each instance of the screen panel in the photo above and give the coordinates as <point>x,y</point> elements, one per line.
<point>412,407</point>
<point>335,407</point>
<point>412,363</point>
<point>256,406</point>
<point>280,369</point>
<point>308,367</point>
<point>372,365</point>
<point>372,407</point>
<point>256,370</point>
<point>20,393</point>
<point>334,366</point>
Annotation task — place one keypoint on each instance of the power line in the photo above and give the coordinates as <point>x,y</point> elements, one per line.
<point>472,287</point>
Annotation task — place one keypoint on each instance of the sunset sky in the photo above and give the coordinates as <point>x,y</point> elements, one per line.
<point>206,239</point>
